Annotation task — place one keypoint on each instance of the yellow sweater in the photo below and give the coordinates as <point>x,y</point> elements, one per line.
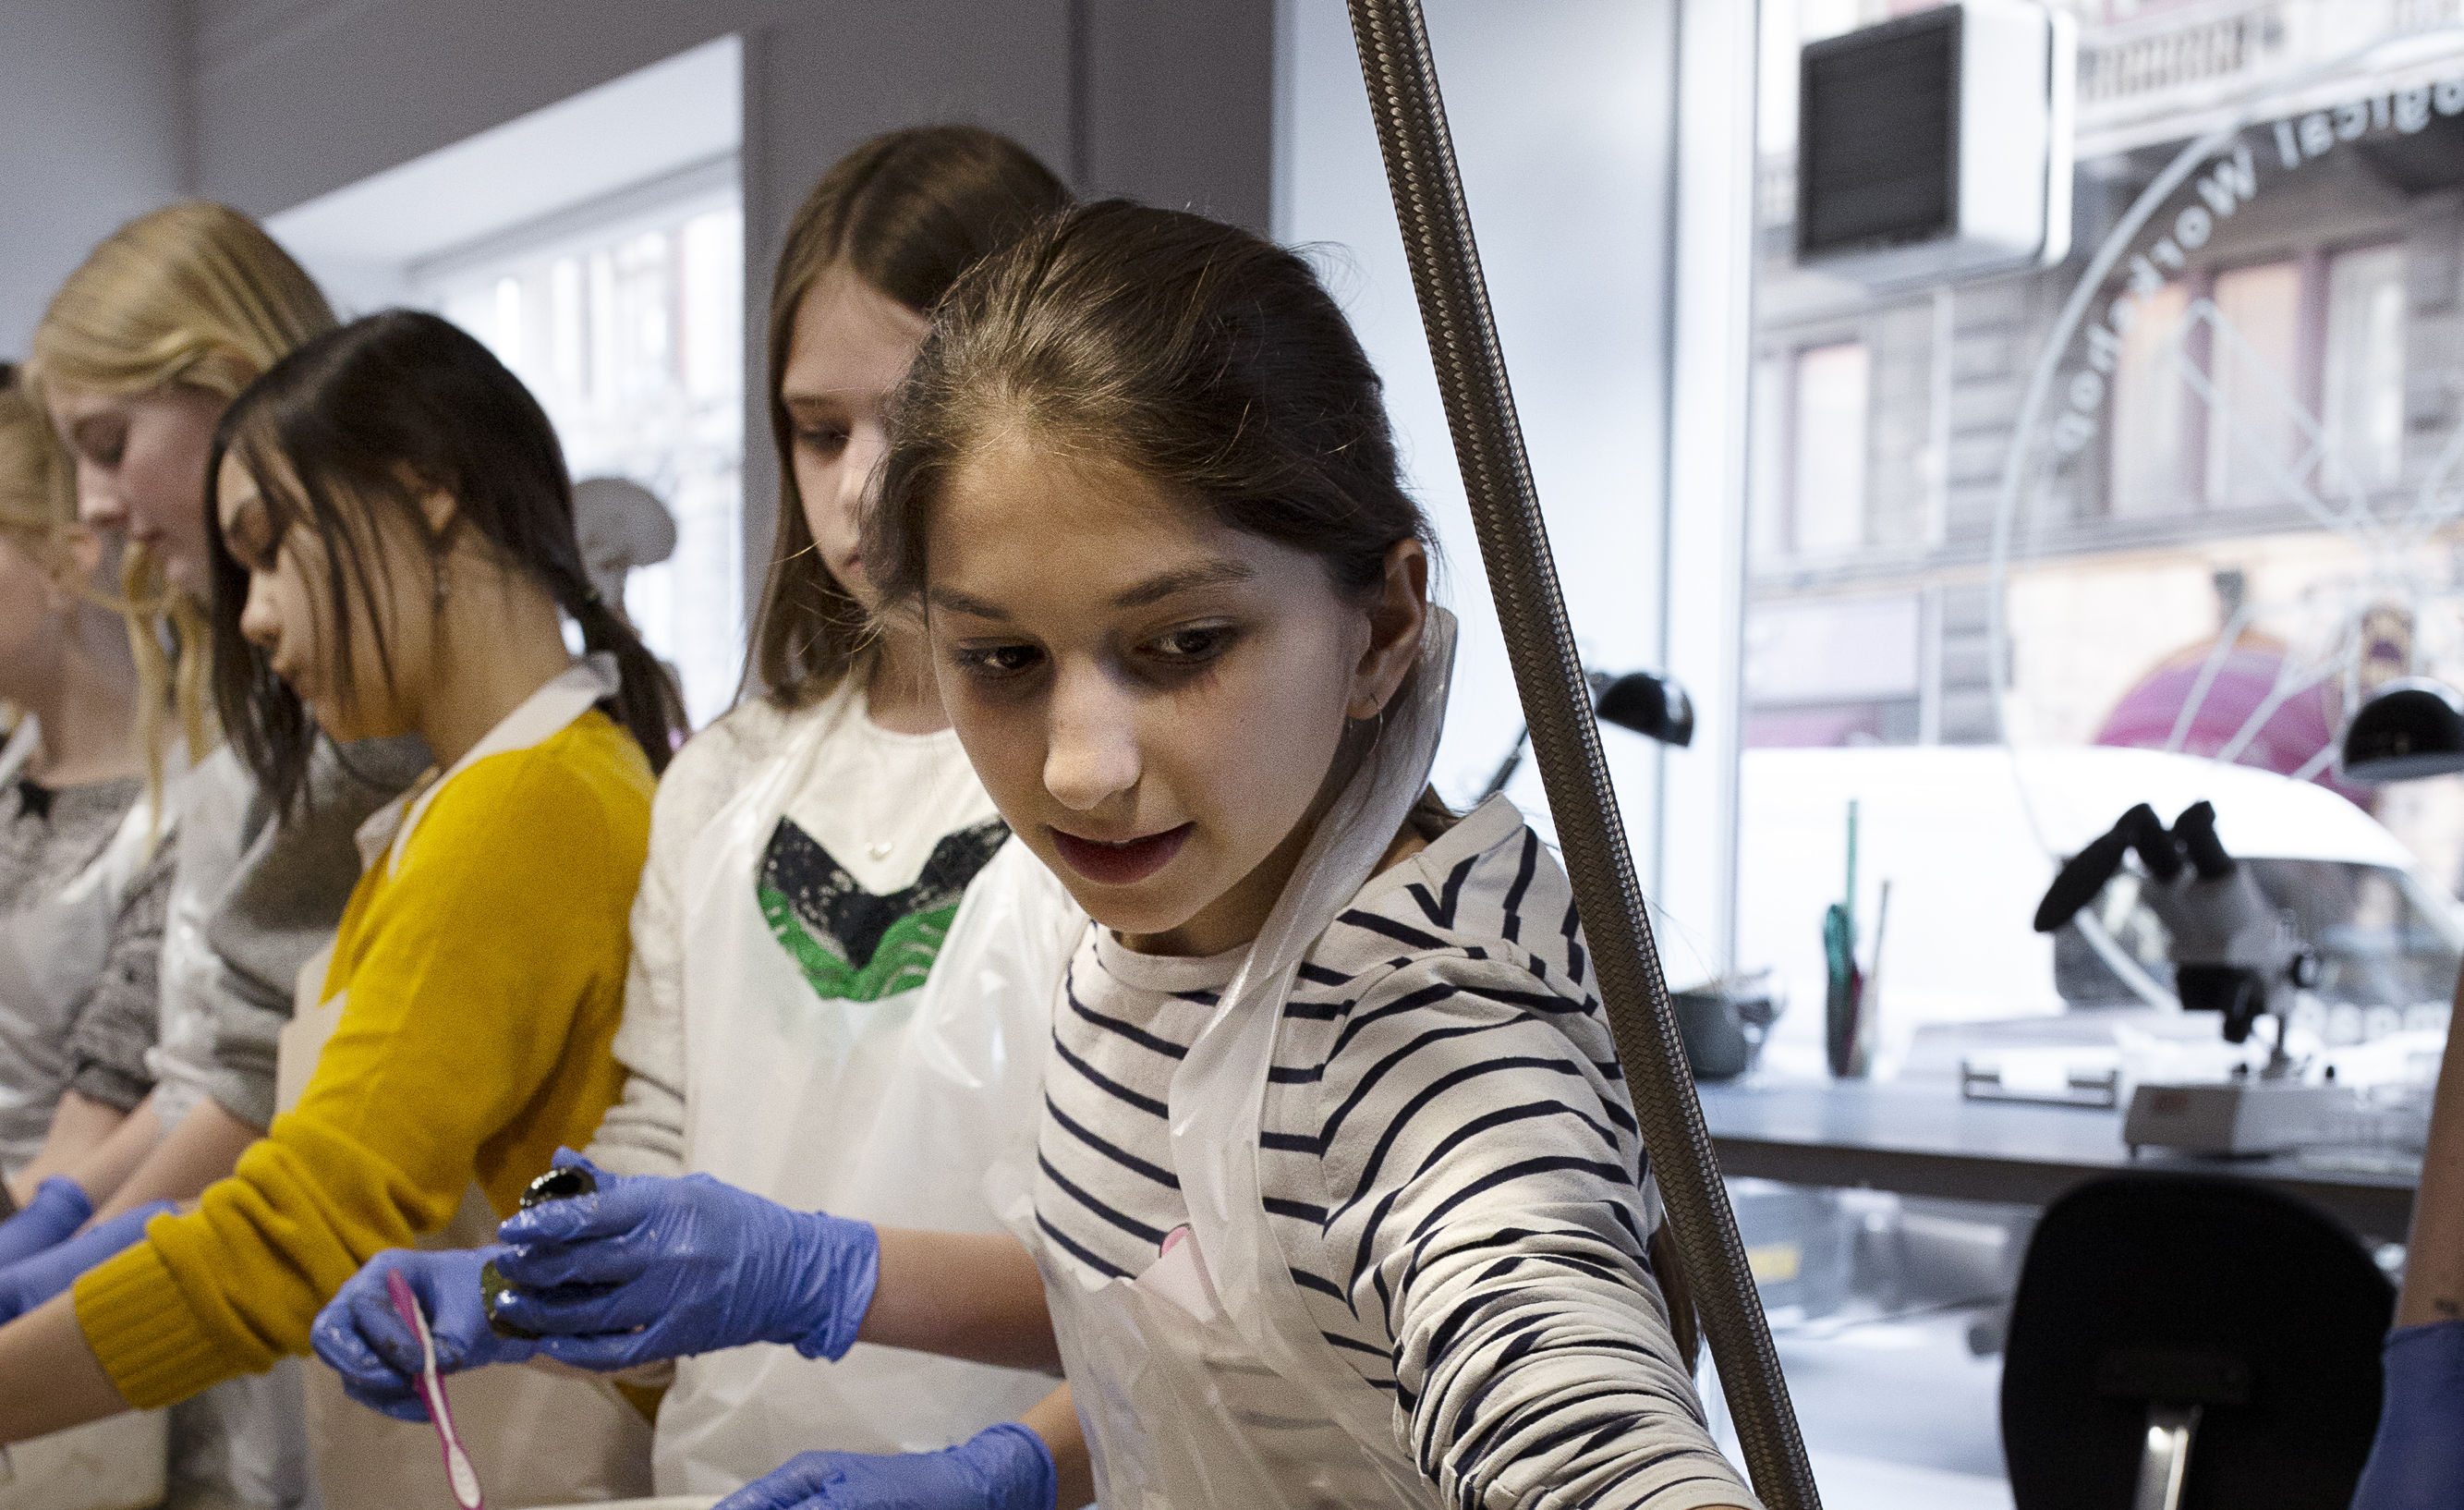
<point>486,974</point>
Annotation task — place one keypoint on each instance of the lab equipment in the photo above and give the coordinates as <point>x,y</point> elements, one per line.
<point>1005,1467</point>
<point>2411,728</point>
<point>1650,703</point>
<point>432,1388</point>
<point>696,1266</point>
<point>1937,145</point>
<point>1418,151</point>
<point>2210,1341</point>
<point>2234,954</point>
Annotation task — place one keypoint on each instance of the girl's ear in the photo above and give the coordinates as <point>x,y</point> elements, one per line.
<point>440,509</point>
<point>1396,618</point>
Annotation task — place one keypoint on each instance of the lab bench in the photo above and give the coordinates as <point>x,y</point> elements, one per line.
<point>1923,1138</point>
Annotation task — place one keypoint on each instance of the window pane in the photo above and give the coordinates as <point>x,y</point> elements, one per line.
<point>2364,376</point>
<point>2148,410</point>
<point>1829,454</point>
<point>2253,415</point>
<point>633,343</point>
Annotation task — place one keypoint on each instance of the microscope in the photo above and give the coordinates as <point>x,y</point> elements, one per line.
<point>2234,953</point>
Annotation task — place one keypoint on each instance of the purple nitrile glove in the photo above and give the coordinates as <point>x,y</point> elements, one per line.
<point>1004,1467</point>
<point>59,1207</point>
<point>29,1283</point>
<point>2417,1459</point>
<point>649,1268</point>
<point>362,1338</point>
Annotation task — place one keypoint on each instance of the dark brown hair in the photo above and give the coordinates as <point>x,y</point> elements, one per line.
<point>905,212</point>
<point>1197,354</point>
<point>376,415</point>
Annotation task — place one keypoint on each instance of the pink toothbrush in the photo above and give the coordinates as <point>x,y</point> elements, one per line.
<point>432,1388</point>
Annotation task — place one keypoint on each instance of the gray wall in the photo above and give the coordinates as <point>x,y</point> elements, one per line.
<point>93,109</point>
<point>1168,100</point>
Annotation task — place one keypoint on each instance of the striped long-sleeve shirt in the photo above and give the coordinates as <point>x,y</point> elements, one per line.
<point>1450,1165</point>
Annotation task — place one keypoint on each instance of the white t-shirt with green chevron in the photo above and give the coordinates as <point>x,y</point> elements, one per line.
<point>861,874</point>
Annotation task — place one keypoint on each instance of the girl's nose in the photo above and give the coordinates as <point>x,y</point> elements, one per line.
<point>1091,750</point>
<point>258,622</point>
<point>99,503</point>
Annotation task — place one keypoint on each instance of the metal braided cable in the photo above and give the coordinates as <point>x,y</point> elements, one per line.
<point>1419,150</point>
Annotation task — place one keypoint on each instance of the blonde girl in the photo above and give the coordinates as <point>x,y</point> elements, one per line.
<point>136,359</point>
<point>85,867</point>
<point>392,543</point>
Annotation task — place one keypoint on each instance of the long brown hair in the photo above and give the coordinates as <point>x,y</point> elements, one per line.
<point>1192,352</point>
<point>373,416</point>
<point>905,212</point>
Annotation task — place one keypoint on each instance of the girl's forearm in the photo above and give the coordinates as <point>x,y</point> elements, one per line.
<point>975,1295</point>
<point>107,1166</point>
<point>80,1125</point>
<point>50,1379</point>
<point>1055,1420</point>
<point>205,1147</point>
<point>2433,1268</point>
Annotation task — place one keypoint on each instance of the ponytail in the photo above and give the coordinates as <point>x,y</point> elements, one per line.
<point>646,701</point>
<point>376,415</point>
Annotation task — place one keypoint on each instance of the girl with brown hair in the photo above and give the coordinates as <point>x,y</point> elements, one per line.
<point>1336,1195</point>
<point>818,1006</point>
<point>391,529</point>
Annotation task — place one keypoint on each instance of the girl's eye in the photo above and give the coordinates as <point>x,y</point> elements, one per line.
<point>1191,646</point>
<point>827,440</point>
<point>994,662</point>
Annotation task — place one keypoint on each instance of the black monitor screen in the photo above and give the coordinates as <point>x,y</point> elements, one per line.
<point>1878,135</point>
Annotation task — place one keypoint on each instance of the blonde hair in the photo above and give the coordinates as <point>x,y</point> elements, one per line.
<point>38,496</point>
<point>194,294</point>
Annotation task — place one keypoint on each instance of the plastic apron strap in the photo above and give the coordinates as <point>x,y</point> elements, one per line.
<point>1204,1381</point>
<point>1219,1094</point>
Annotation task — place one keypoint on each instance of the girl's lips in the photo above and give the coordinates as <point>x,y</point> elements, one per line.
<point>1121,864</point>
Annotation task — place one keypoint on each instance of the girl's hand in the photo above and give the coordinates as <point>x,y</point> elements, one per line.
<point>59,1207</point>
<point>647,1268</point>
<point>1004,1467</point>
<point>365,1339</point>
<point>29,1283</point>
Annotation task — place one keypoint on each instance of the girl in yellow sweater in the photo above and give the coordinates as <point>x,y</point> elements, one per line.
<point>393,543</point>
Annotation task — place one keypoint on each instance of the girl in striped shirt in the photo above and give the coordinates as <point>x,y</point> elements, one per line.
<point>1338,1196</point>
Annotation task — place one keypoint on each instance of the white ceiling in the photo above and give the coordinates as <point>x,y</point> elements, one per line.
<point>655,122</point>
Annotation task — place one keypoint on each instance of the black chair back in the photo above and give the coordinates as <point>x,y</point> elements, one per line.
<point>2173,1290</point>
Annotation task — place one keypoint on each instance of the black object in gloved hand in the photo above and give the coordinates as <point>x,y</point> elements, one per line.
<point>561,1184</point>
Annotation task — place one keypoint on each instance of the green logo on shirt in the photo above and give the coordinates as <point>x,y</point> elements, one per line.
<point>850,944</point>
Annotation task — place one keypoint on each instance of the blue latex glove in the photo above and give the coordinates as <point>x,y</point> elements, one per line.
<point>1004,1467</point>
<point>362,1338</point>
<point>59,1208</point>
<point>29,1283</point>
<point>2417,1460</point>
<point>649,1268</point>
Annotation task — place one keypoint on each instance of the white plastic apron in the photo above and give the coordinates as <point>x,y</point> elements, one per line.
<point>536,1437</point>
<point>51,950</point>
<point>886,1111</point>
<point>1204,1381</point>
